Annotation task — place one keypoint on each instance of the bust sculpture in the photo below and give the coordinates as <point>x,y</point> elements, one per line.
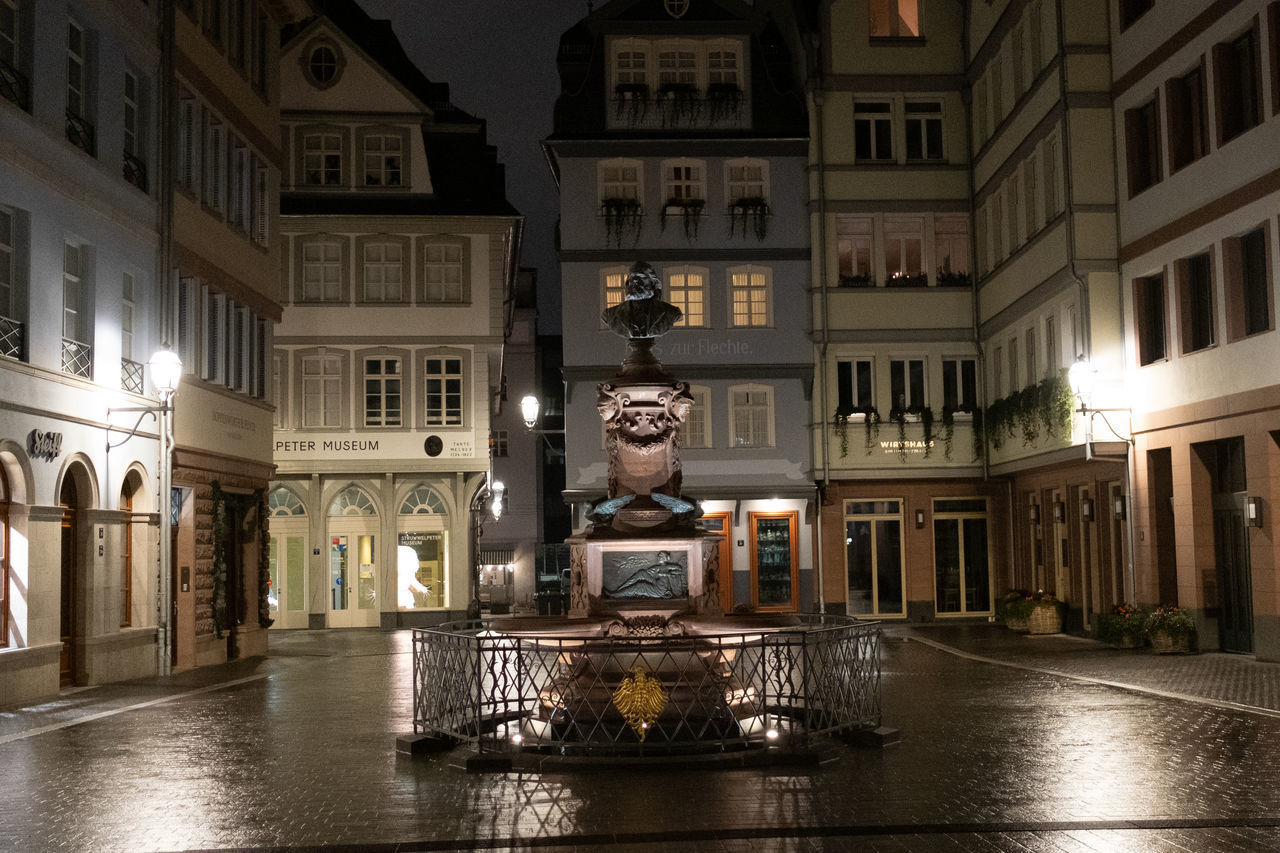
<point>642,314</point>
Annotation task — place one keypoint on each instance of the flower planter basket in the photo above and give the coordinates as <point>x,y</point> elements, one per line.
<point>1127,641</point>
<point>1165,643</point>
<point>1045,620</point>
<point>1017,623</point>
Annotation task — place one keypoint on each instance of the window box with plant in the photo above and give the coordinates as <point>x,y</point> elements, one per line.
<point>899,279</point>
<point>947,278</point>
<point>632,100</point>
<point>723,100</point>
<point>749,211</point>
<point>690,212</point>
<point>949,418</point>
<point>913,414</point>
<point>679,102</point>
<point>621,215</point>
<point>1125,627</point>
<point>856,281</point>
<point>1046,406</point>
<point>870,419</point>
<point>1171,630</point>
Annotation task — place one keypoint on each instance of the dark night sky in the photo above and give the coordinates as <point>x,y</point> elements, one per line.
<point>499,59</point>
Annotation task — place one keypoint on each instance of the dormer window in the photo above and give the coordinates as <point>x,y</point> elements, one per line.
<point>323,63</point>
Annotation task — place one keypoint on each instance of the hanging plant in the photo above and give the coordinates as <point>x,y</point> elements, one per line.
<point>871,424</point>
<point>899,417</point>
<point>264,560</point>
<point>948,430</point>
<point>753,210</point>
<point>632,99</point>
<point>690,211</point>
<point>1026,409</point>
<point>1054,404</point>
<point>840,422</point>
<point>219,560</point>
<point>620,216</point>
<point>926,423</point>
<point>679,102</point>
<point>723,100</point>
<point>979,435</point>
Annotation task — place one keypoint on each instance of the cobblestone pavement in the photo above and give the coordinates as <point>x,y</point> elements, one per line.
<point>297,750</point>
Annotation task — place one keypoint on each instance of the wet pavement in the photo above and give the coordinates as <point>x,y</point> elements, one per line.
<point>1009,743</point>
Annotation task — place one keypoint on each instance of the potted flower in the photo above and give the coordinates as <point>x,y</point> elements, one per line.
<point>1125,627</point>
<point>1171,630</point>
<point>1014,609</point>
<point>1046,614</point>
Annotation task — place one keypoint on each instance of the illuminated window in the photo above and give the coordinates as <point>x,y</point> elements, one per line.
<point>749,296</point>
<point>615,285</point>
<point>894,18</point>
<point>685,288</point>
<point>751,416</point>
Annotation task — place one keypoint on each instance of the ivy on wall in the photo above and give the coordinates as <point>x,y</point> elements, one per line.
<point>220,621</point>
<point>264,560</point>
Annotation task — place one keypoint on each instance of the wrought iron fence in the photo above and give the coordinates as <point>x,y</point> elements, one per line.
<point>131,375</point>
<point>575,695</point>
<point>135,171</point>
<point>11,338</point>
<point>77,358</point>
<point>81,134</point>
<point>14,86</point>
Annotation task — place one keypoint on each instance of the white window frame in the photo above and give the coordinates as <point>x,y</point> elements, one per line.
<point>128,308</point>
<point>450,388</point>
<point>376,384</point>
<point>745,310</point>
<point>855,243</point>
<point>75,302</point>
<point>872,118</point>
<point>379,162</point>
<point>321,392</point>
<point>746,178</point>
<point>214,158</point>
<point>696,431</point>
<point>621,178</point>
<point>377,272</point>
<point>855,390</point>
<point>321,278</point>
<point>751,412</point>
<point>966,388</point>
<point>317,159</point>
<point>684,180</point>
<point>920,115</point>
<point>133,127</point>
<point>78,95</point>
<point>951,245</point>
<point>913,400</point>
<point>440,267</point>
<point>685,287</point>
<point>903,238</point>
<point>8,262</point>
<point>10,40</point>
<point>613,287</point>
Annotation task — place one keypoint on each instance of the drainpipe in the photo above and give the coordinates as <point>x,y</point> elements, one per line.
<point>1068,198</point>
<point>824,336</point>
<point>980,373</point>
<point>164,284</point>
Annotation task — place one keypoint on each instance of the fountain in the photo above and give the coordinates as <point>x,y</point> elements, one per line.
<point>646,660</point>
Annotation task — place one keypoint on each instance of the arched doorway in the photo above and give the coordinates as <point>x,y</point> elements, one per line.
<point>287,593</point>
<point>130,497</point>
<point>71,610</point>
<point>422,549</point>
<point>353,577</point>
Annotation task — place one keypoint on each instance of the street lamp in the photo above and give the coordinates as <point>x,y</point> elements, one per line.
<point>489,500</point>
<point>166,373</point>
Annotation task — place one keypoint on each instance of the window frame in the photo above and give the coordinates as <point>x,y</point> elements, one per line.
<point>384,356</point>
<point>1151,318</point>
<point>855,237</point>
<point>1142,145</point>
<point>960,372</point>
<point>746,290</point>
<point>366,241</point>
<point>700,439</point>
<point>1240,290</point>
<point>684,180</point>
<point>874,112</point>
<point>343,152</point>
<point>438,418</point>
<point>401,135</point>
<point>343,263</point>
<point>853,395</point>
<point>766,407</point>
<point>1187,117</point>
<point>891,10</point>
<point>1237,113</point>
<point>918,112</point>
<point>426,245</point>
<point>1197,296</point>
<point>908,380</point>
<point>305,381</point>
<point>679,295</point>
<point>618,188</point>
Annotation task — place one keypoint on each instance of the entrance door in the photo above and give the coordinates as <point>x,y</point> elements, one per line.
<point>287,597</point>
<point>353,592</point>
<point>873,556</point>
<point>722,523</point>
<point>70,609</point>
<point>774,560</point>
<point>1225,461</point>
<point>962,563</point>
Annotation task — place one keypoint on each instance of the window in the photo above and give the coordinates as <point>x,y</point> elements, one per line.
<point>79,119</point>
<point>1187,124</point>
<point>1019,60</point>
<point>749,296</point>
<point>261,348</point>
<point>1052,352</point>
<point>214,185</point>
<point>853,248</point>
<point>751,416</point>
<point>1142,142</point>
<point>322,65</point>
<point>1238,88</point>
<point>1029,346</point>
<point>997,90</point>
<point>13,83</point>
<point>214,357</point>
<point>924,130</point>
<point>322,159</point>
<point>499,441</point>
<point>895,18</point>
<point>4,559</point>
<point>1050,178</point>
<point>135,167</point>
<point>875,568</point>
<point>723,73</point>
<point>906,384</point>
<point>685,288</point>
<point>620,181</point>
<point>1248,284</point>
<point>383,270</point>
<point>444,391</point>
<point>188,288</point>
<point>854,389</point>
<point>321,271</point>
<point>77,354</point>
<point>1029,208</point>
<point>980,111</point>
<point>261,202</point>
<point>278,394</point>
<point>1014,383</point>
<point>1149,314</point>
<point>382,398</point>
<point>1195,302</point>
<point>240,162</point>
<point>997,371</point>
<point>630,68</point>
<point>1014,219</point>
<point>960,384</point>
<point>682,181</point>
<point>951,241</point>
<point>696,430</point>
<point>1132,10</point>
<point>321,391</point>
<point>212,20</point>
<point>873,131</point>
<point>127,306</point>
<point>904,251</point>
<point>746,180</point>
<point>615,286</point>
<point>8,281</point>
<point>443,274</point>
<point>383,161</point>
<point>997,227</point>
<point>1035,29</point>
<point>677,66</point>
<point>188,168</point>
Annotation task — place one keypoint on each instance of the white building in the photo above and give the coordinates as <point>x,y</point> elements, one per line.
<point>398,270</point>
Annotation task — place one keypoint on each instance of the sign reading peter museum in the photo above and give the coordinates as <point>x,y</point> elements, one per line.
<point>308,447</point>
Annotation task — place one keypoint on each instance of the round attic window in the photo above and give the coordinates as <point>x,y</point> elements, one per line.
<point>323,64</point>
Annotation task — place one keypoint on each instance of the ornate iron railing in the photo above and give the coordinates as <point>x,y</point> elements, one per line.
<point>135,171</point>
<point>131,375</point>
<point>14,86</point>
<point>77,358</point>
<point>80,133</point>
<point>12,338</point>
<point>574,695</point>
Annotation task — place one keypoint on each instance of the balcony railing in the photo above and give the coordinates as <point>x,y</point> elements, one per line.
<point>77,358</point>
<point>135,171</point>
<point>14,86</point>
<point>677,106</point>
<point>12,338</point>
<point>131,375</point>
<point>80,134</point>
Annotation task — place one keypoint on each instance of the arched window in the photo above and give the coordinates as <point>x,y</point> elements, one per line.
<point>283,502</point>
<point>423,500</point>
<point>352,501</point>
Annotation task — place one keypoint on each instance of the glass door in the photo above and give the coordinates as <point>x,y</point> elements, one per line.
<point>353,599</point>
<point>287,597</point>
<point>722,523</point>
<point>962,563</point>
<point>774,563</point>
<point>873,553</point>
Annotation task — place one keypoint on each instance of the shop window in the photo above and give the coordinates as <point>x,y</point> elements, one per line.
<point>383,397</point>
<point>855,390</point>
<point>444,391</point>
<point>1248,281</point>
<point>1238,88</point>
<point>1142,146</point>
<point>1195,302</point>
<point>1150,316</point>
<point>751,416</point>
<point>873,131</point>
<point>874,565</point>
<point>1188,128</point>
<point>960,384</point>
<point>894,18</point>
<point>924,130</point>
<point>686,289</point>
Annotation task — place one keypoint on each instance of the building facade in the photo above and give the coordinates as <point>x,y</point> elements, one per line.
<point>397,273</point>
<point>680,140</point>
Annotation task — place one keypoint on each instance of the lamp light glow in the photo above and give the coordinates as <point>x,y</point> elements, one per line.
<point>529,407</point>
<point>166,372</point>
